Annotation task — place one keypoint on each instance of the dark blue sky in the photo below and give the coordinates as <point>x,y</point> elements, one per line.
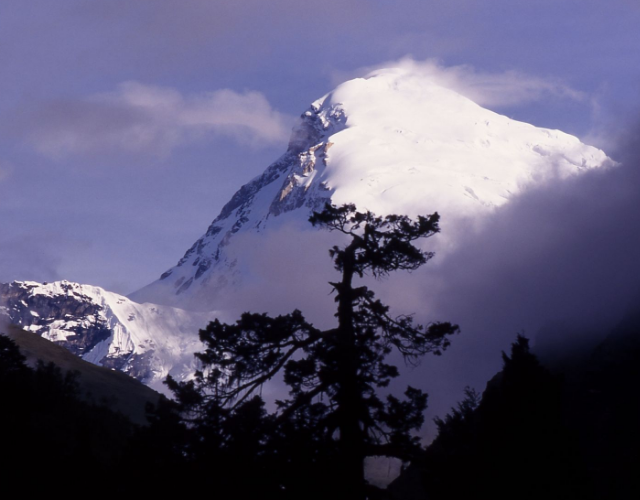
<point>125,126</point>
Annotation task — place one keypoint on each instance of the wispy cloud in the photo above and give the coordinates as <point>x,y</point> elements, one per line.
<point>490,89</point>
<point>139,118</point>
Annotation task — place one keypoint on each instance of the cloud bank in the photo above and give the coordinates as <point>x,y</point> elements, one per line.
<point>138,118</point>
<point>558,263</point>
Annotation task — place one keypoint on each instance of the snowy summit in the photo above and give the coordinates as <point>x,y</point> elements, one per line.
<point>392,142</point>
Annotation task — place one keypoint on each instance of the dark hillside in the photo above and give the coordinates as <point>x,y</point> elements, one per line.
<point>117,390</point>
<point>49,430</point>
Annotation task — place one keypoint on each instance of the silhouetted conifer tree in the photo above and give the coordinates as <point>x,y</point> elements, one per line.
<point>514,444</point>
<point>334,416</point>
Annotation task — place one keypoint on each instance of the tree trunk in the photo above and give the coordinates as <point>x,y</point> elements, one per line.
<point>349,394</point>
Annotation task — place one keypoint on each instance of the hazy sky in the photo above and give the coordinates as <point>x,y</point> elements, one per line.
<point>126,125</point>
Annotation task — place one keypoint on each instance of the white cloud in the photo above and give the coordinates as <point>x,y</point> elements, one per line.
<point>138,118</point>
<point>509,88</point>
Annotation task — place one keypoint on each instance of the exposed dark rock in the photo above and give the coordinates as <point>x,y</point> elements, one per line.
<point>188,253</point>
<point>204,265</point>
<point>184,286</point>
<point>80,324</point>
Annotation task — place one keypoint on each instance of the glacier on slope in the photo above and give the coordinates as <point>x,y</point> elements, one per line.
<point>393,142</point>
<point>146,341</point>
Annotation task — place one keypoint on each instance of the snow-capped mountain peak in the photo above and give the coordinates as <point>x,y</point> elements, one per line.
<point>393,142</point>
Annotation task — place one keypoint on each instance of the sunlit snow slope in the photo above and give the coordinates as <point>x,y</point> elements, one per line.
<point>144,340</point>
<point>393,142</point>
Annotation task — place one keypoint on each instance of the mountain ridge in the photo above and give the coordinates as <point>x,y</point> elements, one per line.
<point>145,341</point>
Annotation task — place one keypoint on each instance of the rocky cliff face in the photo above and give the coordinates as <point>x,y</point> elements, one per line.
<point>70,318</point>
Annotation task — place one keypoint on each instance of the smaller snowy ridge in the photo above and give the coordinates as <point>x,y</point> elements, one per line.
<point>146,341</point>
